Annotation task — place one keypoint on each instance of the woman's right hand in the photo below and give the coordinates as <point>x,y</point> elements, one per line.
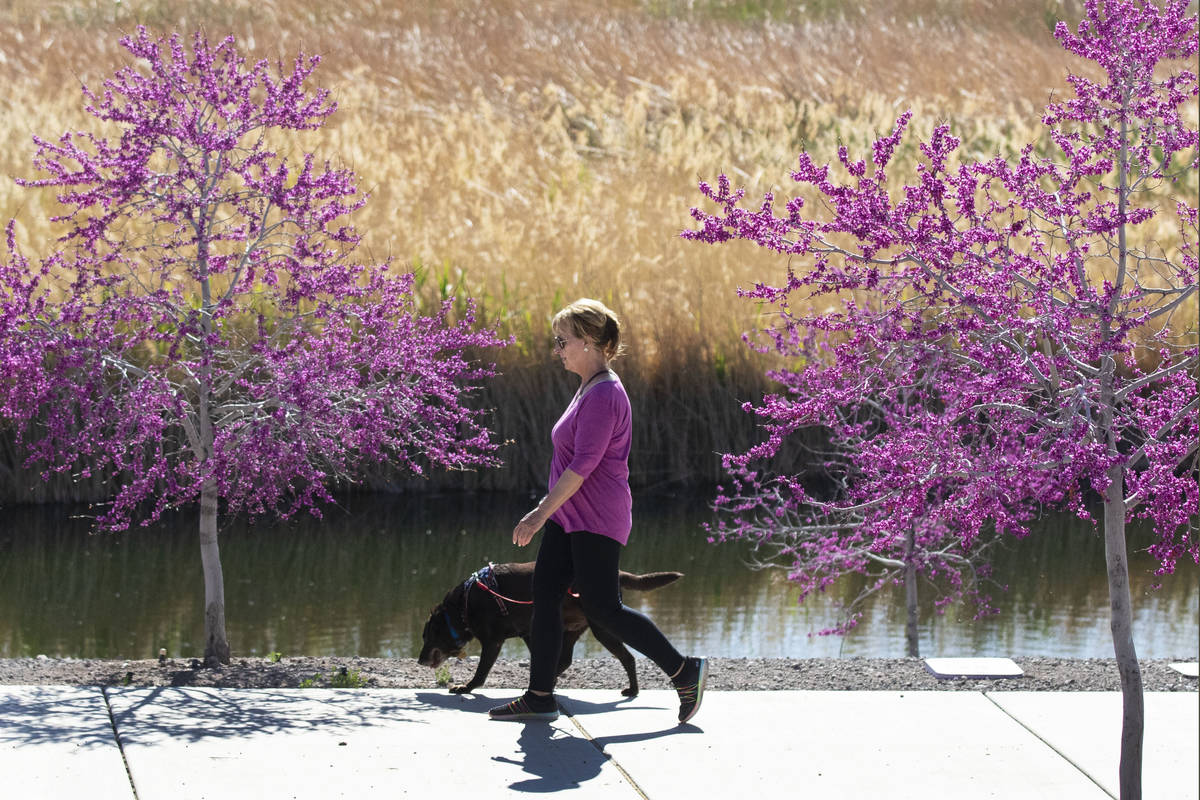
<point>527,528</point>
<point>567,484</point>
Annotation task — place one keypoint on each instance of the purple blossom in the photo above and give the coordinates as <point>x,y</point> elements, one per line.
<point>203,331</point>
<point>998,348</point>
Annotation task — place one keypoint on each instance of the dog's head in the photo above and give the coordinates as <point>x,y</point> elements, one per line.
<point>442,638</point>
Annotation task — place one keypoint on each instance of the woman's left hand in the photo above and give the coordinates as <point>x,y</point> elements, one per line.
<point>527,528</point>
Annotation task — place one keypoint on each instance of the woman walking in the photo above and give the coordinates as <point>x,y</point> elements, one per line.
<point>587,517</point>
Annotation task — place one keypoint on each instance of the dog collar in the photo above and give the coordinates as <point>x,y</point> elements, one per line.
<point>459,640</point>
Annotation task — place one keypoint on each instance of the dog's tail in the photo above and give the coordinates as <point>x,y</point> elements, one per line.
<point>648,581</point>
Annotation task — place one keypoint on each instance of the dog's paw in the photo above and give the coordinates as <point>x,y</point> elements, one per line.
<point>632,691</point>
<point>462,689</point>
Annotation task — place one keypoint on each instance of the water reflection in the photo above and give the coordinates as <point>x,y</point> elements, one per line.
<point>361,581</point>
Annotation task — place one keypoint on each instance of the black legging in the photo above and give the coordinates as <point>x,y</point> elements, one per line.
<point>589,563</point>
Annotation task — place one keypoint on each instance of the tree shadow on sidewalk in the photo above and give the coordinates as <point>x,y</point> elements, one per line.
<point>33,715</point>
<point>146,716</point>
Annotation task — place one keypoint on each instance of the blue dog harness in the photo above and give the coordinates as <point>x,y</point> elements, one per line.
<point>485,578</point>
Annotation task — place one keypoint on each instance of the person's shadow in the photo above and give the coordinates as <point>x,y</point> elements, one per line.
<point>558,760</point>
<point>580,709</point>
<point>554,757</point>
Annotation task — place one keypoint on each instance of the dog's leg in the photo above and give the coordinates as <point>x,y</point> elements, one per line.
<point>617,648</point>
<point>568,649</point>
<point>487,658</point>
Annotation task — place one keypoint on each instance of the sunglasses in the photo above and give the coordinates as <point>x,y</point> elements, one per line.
<point>559,343</point>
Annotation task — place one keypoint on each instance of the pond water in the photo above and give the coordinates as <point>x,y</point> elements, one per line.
<point>362,580</point>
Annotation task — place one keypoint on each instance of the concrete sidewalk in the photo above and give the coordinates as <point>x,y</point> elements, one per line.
<point>192,743</point>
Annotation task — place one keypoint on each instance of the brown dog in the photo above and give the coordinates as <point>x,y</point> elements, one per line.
<point>494,605</point>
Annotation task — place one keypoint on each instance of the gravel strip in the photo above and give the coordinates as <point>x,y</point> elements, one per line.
<point>763,674</point>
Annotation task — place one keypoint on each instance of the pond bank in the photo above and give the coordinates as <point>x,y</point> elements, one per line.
<point>837,674</point>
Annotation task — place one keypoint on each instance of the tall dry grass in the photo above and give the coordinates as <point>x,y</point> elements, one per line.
<point>529,152</point>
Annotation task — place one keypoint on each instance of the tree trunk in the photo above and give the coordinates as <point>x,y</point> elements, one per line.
<point>911,633</point>
<point>1133,718</point>
<point>216,644</point>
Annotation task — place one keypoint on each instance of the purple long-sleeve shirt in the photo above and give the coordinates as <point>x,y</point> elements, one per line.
<point>592,439</point>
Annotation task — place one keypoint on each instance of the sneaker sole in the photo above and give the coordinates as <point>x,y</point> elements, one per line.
<point>533,716</point>
<point>699,690</point>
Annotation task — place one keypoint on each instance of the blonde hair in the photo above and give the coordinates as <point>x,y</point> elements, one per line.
<point>591,319</point>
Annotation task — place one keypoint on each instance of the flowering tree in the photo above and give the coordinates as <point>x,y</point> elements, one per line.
<point>1016,329</point>
<point>203,332</point>
<point>835,532</point>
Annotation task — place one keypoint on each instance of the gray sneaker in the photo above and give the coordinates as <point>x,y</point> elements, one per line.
<point>528,706</point>
<point>689,685</point>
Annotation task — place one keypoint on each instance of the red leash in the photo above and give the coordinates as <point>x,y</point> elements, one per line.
<point>499,596</point>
